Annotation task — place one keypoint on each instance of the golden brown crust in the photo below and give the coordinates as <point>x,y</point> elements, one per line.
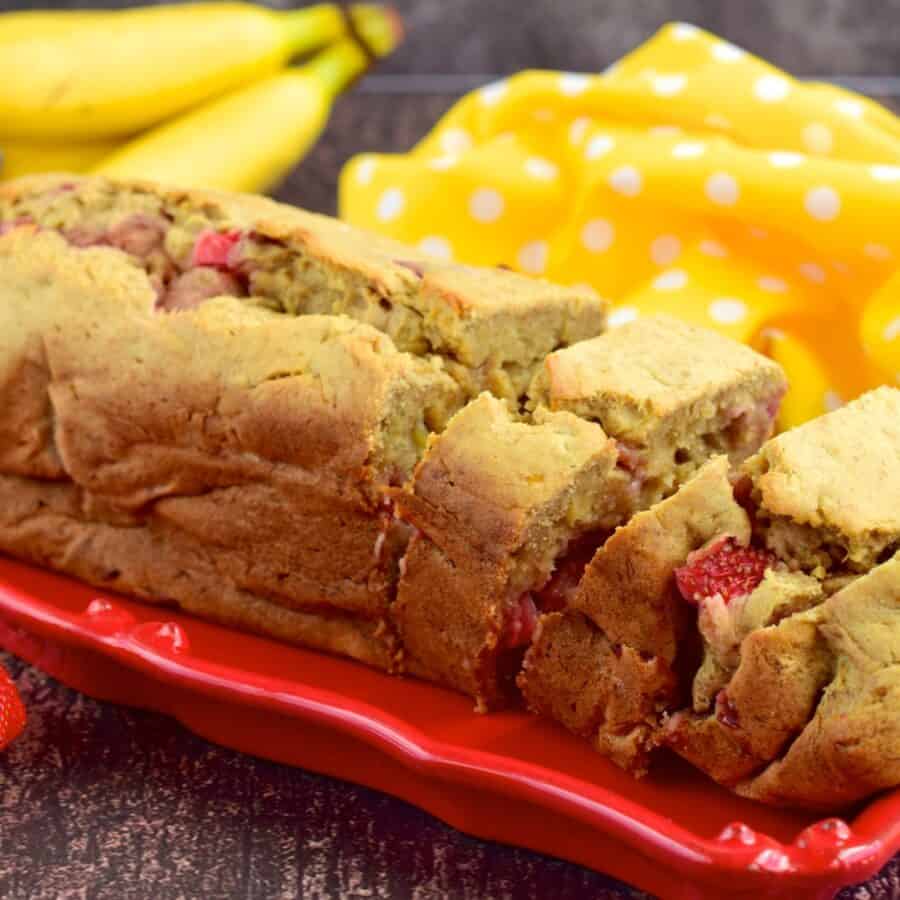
<point>673,394</point>
<point>829,491</point>
<point>848,749</point>
<point>55,524</point>
<point>602,691</point>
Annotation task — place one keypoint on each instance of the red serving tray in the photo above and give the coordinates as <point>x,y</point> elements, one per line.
<point>506,777</point>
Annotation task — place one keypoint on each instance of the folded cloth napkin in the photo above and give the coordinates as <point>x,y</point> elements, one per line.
<point>690,178</point>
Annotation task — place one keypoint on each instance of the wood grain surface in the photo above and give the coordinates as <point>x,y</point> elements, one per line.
<point>104,803</point>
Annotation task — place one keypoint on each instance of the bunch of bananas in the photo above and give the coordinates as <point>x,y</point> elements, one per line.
<point>201,95</point>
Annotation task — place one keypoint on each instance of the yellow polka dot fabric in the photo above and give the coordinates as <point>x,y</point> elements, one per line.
<point>690,178</point>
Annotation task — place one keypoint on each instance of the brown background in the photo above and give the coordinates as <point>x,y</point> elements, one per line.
<point>103,803</point>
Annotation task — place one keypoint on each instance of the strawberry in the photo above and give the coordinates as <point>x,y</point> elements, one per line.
<point>213,248</point>
<point>12,713</point>
<point>520,621</point>
<point>722,567</point>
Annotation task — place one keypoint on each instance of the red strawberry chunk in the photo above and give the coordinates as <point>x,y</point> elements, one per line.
<point>520,622</point>
<point>213,248</point>
<point>722,567</point>
<point>12,713</point>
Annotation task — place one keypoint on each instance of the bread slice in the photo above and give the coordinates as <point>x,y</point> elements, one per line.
<point>495,501</point>
<point>827,493</point>
<point>672,395</point>
<point>491,328</point>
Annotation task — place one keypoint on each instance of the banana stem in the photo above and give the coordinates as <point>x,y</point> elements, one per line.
<point>309,28</point>
<point>337,66</point>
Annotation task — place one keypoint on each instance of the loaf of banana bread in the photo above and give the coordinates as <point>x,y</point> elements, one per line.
<point>191,416</point>
<point>227,458</point>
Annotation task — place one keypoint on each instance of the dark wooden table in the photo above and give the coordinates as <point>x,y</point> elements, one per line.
<point>99,802</point>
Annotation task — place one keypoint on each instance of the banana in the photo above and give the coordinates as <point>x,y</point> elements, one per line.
<point>122,72</point>
<point>18,26</point>
<point>248,140</point>
<point>30,158</point>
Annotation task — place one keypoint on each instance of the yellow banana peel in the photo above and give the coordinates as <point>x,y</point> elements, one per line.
<point>20,26</point>
<point>114,74</point>
<point>34,157</point>
<point>250,139</point>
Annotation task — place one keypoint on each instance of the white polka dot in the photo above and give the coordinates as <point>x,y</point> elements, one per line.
<point>437,246</point>
<point>785,159</point>
<point>892,330</point>
<point>538,167</point>
<point>832,401</point>
<point>455,140</point>
<point>722,189</point>
<point>688,150</point>
<point>684,31</point>
<point>877,251</point>
<point>390,204</point>
<point>597,235</point>
<point>712,248</point>
<point>885,173</point>
<point>493,93</point>
<point>626,180</point>
<point>621,315</point>
<point>543,115</point>
<point>533,257</point>
<point>669,85</point>
<point>726,52</point>
<point>486,205</point>
<point>812,271</point>
<point>443,162</point>
<point>772,334</point>
<point>818,138</point>
<point>598,145</point>
<point>573,83</point>
<point>365,170</point>
<point>578,129</point>
<point>848,107</point>
<point>665,131</point>
<point>771,88</point>
<point>665,249</point>
<point>717,120</point>
<point>727,311</point>
<point>673,280</point>
<point>822,203</point>
<point>772,285</point>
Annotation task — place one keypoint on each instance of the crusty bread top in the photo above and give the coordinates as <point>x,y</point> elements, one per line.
<point>315,391</point>
<point>649,369</point>
<point>840,472</point>
<point>472,314</point>
<point>494,482</point>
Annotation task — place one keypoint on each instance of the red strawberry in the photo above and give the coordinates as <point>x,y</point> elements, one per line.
<point>722,567</point>
<point>213,248</point>
<point>12,713</point>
